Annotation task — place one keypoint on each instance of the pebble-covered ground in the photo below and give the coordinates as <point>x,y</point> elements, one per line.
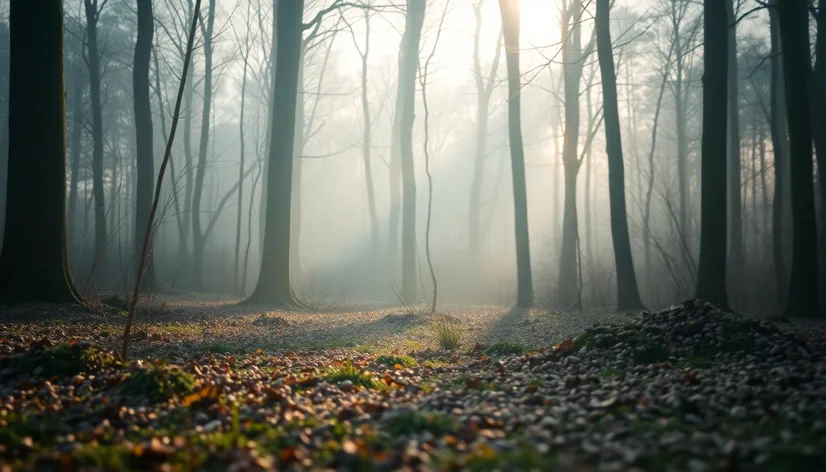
<point>223,387</point>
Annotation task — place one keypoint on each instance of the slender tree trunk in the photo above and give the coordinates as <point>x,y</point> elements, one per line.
<point>298,146</point>
<point>143,135</point>
<point>367,143</point>
<point>628,297</point>
<point>413,32</point>
<point>802,300</point>
<point>93,60</point>
<point>273,285</point>
<point>711,275</point>
<point>34,265</point>
<point>735,204</point>
<point>77,134</point>
<point>819,125</point>
<point>199,236</point>
<point>483,94</point>
<point>572,59</point>
<point>510,27</point>
<point>241,166</point>
<point>780,156</point>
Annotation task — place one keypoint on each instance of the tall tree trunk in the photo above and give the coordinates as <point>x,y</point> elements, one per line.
<point>367,143</point>
<point>4,124</point>
<point>735,204</point>
<point>414,19</point>
<point>93,60</point>
<point>819,123</point>
<point>34,265</point>
<point>711,275</point>
<point>298,151</point>
<point>199,236</point>
<point>77,134</point>
<point>572,59</point>
<point>273,285</point>
<point>628,297</point>
<point>484,90</point>
<point>143,136</point>
<point>802,297</point>
<point>780,147</point>
<point>241,167</point>
<point>510,27</point>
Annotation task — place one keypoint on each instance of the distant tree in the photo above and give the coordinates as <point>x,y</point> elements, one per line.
<point>33,263</point>
<point>711,276</point>
<point>509,10</point>
<point>802,298</point>
<point>143,132</point>
<point>735,204</point>
<point>273,285</point>
<point>93,10</point>
<point>573,59</point>
<point>819,123</point>
<point>199,233</point>
<point>485,83</point>
<point>628,297</point>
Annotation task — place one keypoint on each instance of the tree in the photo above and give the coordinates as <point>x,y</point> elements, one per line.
<point>509,10</point>
<point>484,90</point>
<point>34,264</point>
<point>802,299</point>
<point>199,234</point>
<point>414,19</point>
<point>573,57</point>
<point>734,192</point>
<point>273,285</point>
<point>93,10</point>
<point>628,297</point>
<point>711,275</point>
<point>143,131</point>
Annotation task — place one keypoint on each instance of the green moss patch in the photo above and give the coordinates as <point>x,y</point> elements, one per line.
<point>63,360</point>
<point>158,383</point>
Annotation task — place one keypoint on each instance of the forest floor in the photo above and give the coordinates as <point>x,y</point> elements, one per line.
<point>218,386</point>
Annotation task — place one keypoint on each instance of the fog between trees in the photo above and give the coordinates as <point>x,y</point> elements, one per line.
<point>389,92</point>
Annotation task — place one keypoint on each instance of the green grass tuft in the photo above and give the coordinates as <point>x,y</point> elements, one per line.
<point>347,371</point>
<point>414,422</point>
<point>506,349</point>
<point>391,360</point>
<point>64,360</point>
<point>448,335</point>
<point>159,383</point>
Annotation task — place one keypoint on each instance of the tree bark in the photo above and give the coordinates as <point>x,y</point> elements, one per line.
<point>93,62</point>
<point>780,146</point>
<point>273,285</point>
<point>143,136</point>
<point>711,275</point>
<point>199,236</point>
<point>77,134</point>
<point>802,297</point>
<point>510,28</point>
<point>414,19</point>
<point>735,204</point>
<point>34,265</point>
<point>628,297</point>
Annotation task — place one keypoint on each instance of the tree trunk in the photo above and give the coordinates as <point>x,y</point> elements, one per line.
<point>242,144</point>
<point>711,274</point>
<point>572,55</point>
<point>34,265</point>
<point>143,136</point>
<point>510,27</point>
<point>77,134</point>
<point>366,145</point>
<point>199,235</point>
<point>780,156</point>
<point>628,297</point>
<point>735,204</point>
<point>819,124</point>
<point>414,20</point>
<point>93,60</point>
<point>802,297</point>
<point>273,285</point>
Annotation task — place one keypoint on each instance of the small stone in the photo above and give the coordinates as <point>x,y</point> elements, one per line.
<point>346,386</point>
<point>696,465</point>
<point>738,411</point>
<point>212,426</point>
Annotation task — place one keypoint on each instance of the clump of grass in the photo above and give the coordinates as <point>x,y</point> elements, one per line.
<point>391,360</point>
<point>65,360</point>
<point>159,383</point>
<point>220,348</point>
<point>506,349</point>
<point>414,422</point>
<point>447,334</point>
<point>347,371</point>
